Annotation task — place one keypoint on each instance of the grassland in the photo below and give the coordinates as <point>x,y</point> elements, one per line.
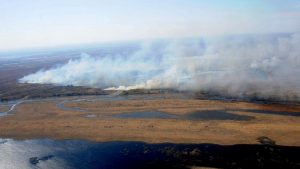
<point>43,118</point>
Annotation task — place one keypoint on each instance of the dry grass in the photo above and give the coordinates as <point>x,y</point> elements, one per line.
<point>44,119</point>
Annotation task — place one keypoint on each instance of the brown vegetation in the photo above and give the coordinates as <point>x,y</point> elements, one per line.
<point>45,119</point>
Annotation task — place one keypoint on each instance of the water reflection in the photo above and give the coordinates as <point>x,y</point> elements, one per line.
<point>73,154</point>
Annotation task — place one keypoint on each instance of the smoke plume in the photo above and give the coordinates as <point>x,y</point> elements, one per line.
<point>265,66</point>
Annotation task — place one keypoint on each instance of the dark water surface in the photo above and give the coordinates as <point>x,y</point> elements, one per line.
<point>216,115</point>
<point>77,154</point>
<point>199,115</point>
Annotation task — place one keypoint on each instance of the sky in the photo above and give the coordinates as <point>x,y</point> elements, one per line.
<point>48,23</point>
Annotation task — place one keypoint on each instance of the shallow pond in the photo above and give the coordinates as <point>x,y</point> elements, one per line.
<point>216,115</point>
<point>199,115</point>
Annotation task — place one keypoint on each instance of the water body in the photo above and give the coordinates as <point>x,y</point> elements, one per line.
<point>78,154</point>
<point>199,115</point>
<point>216,115</point>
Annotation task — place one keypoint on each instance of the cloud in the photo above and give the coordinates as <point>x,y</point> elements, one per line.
<point>265,66</point>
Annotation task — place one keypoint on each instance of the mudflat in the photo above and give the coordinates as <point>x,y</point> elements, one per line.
<point>183,120</point>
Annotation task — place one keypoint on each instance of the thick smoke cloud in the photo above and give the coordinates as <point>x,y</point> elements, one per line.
<point>265,66</point>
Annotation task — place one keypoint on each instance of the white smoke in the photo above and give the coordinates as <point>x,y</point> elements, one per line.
<point>258,65</point>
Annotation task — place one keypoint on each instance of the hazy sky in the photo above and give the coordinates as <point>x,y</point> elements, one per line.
<point>35,23</point>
